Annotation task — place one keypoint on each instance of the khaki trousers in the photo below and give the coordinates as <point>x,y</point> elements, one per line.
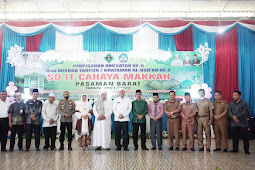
<point>202,124</point>
<point>173,128</point>
<point>221,135</point>
<point>188,129</point>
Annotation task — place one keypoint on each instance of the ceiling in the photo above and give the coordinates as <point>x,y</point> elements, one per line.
<point>126,9</point>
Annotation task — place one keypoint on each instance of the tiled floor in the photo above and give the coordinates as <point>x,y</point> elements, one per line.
<point>112,159</point>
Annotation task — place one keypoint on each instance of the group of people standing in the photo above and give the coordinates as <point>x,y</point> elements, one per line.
<point>201,114</point>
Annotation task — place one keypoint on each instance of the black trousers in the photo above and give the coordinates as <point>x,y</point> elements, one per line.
<point>37,131</point>
<point>4,128</point>
<point>237,132</point>
<point>20,130</point>
<point>124,127</point>
<point>143,134</point>
<point>63,127</point>
<point>50,133</point>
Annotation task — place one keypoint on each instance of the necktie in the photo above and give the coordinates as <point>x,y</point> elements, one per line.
<point>155,110</point>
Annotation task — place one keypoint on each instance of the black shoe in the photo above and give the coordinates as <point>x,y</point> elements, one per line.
<point>4,150</point>
<point>98,149</point>
<point>53,149</point>
<point>234,151</point>
<point>20,149</point>
<point>70,146</point>
<point>225,150</point>
<point>171,148</point>
<point>159,148</point>
<point>217,149</point>
<point>37,149</point>
<point>201,149</point>
<point>208,149</point>
<point>177,149</point>
<point>153,148</point>
<point>135,148</point>
<point>192,149</point>
<point>184,149</point>
<point>108,149</point>
<point>10,150</point>
<point>118,149</point>
<point>247,153</point>
<point>145,149</point>
<point>26,150</point>
<point>126,149</point>
<point>61,148</point>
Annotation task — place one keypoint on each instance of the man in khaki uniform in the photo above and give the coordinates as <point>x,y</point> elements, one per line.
<point>220,124</point>
<point>204,120</point>
<point>172,109</point>
<point>66,109</point>
<point>188,113</point>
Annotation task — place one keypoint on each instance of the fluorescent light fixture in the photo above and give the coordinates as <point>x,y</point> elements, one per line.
<point>237,14</point>
<point>203,14</point>
<point>172,14</point>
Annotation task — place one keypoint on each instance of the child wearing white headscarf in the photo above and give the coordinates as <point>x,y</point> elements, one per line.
<point>83,109</point>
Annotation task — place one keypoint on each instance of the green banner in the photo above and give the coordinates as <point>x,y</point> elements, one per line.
<point>109,73</point>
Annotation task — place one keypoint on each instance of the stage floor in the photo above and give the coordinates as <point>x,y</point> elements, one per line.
<point>131,159</point>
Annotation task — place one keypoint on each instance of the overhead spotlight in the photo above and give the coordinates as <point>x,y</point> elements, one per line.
<point>68,29</point>
<point>141,30</point>
<point>220,30</point>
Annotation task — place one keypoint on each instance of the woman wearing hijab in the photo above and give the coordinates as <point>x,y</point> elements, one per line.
<point>83,114</point>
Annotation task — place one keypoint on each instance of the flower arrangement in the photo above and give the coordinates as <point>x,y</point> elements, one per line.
<point>14,55</point>
<point>11,91</point>
<point>203,52</point>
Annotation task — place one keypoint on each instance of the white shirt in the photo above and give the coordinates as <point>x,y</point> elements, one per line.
<point>122,106</point>
<point>176,62</point>
<point>50,111</point>
<point>4,108</point>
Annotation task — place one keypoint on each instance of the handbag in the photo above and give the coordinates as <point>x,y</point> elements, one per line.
<point>78,125</point>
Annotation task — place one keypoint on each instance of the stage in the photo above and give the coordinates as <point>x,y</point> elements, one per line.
<point>157,159</point>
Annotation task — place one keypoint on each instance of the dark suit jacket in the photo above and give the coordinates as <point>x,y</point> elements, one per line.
<point>196,62</point>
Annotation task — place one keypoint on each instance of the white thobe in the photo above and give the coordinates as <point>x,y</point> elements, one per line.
<point>84,108</point>
<point>102,128</point>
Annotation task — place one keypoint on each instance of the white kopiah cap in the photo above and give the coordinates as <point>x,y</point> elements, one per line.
<point>52,95</point>
<point>121,89</point>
